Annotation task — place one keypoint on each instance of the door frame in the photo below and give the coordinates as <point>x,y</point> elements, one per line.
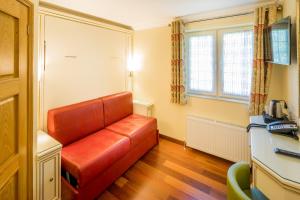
<point>30,85</point>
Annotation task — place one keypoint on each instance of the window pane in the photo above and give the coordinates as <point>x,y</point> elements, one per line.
<point>237,63</point>
<point>201,63</point>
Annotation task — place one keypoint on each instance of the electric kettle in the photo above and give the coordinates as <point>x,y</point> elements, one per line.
<point>275,109</point>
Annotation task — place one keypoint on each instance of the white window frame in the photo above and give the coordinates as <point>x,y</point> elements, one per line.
<point>187,53</point>
<point>218,65</point>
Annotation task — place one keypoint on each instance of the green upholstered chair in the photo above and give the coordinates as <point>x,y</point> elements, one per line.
<point>238,184</point>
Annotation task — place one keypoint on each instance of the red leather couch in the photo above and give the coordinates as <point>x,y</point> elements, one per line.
<point>101,139</point>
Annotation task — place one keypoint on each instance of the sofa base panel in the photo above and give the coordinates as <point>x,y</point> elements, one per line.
<point>100,183</point>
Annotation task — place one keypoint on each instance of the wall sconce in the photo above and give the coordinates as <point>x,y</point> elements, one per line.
<point>134,64</point>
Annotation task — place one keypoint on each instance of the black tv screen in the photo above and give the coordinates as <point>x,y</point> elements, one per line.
<point>277,43</point>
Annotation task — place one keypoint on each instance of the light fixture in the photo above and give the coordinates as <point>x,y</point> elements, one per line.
<point>134,64</point>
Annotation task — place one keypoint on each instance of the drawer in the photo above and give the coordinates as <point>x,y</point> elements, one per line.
<point>49,178</point>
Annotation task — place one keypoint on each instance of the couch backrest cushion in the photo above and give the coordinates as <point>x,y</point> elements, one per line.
<point>70,123</point>
<point>117,107</point>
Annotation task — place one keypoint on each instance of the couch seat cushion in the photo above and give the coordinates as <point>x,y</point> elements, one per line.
<point>90,156</point>
<point>136,127</point>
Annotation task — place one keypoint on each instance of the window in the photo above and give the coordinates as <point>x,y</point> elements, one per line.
<point>201,62</point>
<point>219,62</point>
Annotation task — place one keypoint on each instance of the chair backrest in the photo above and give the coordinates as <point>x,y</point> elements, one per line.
<point>238,181</point>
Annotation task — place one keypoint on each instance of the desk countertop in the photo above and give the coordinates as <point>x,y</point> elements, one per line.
<point>262,150</point>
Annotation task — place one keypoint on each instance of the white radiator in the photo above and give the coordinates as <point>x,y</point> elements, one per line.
<point>227,141</point>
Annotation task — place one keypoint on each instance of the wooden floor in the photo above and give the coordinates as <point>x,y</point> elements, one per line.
<point>171,172</point>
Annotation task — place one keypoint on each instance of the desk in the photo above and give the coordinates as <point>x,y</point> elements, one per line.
<point>277,176</point>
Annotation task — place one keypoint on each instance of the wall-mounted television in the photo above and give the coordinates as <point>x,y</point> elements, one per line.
<point>278,42</point>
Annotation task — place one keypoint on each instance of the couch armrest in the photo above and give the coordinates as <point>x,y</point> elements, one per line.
<point>142,108</point>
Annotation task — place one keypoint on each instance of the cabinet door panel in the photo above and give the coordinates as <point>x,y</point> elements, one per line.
<point>49,178</point>
<point>271,188</point>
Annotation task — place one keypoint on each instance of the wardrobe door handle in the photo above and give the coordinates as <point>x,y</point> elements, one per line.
<point>51,179</point>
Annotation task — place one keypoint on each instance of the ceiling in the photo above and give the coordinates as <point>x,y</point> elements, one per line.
<point>144,14</point>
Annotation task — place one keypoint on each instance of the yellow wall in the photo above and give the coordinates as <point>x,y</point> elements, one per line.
<point>152,83</point>
<point>292,71</point>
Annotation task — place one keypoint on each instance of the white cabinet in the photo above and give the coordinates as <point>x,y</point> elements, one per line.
<point>142,108</point>
<point>272,187</point>
<point>48,167</point>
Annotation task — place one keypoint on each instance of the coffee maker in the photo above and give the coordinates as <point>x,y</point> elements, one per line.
<point>274,111</point>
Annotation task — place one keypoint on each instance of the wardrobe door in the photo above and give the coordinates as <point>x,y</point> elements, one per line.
<point>82,62</point>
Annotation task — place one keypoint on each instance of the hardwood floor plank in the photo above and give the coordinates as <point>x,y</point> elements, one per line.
<point>146,184</point>
<point>204,179</point>
<point>201,168</point>
<point>217,195</point>
<point>164,176</point>
<point>214,176</point>
<point>210,162</point>
<point>121,181</point>
<point>107,196</point>
<point>179,185</point>
<point>121,194</point>
<point>172,198</point>
<point>152,179</point>
<point>171,172</point>
<point>197,183</point>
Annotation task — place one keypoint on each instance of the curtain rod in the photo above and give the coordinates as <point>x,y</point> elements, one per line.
<point>279,8</point>
<point>220,17</point>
